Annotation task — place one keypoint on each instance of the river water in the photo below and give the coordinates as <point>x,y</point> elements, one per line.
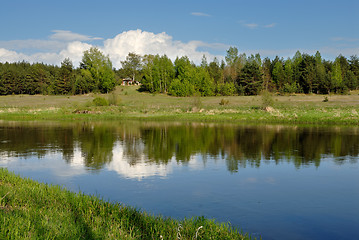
<point>278,182</point>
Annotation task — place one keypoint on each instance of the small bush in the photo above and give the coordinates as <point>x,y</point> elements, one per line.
<point>100,101</point>
<point>267,99</point>
<point>326,99</point>
<point>224,102</point>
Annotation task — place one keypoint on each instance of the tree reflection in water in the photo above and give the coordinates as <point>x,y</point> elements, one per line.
<point>160,143</point>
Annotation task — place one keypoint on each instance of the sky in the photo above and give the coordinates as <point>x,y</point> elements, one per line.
<point>50,31</point>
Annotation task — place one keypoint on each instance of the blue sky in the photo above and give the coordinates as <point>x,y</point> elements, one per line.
<point>48,31</point>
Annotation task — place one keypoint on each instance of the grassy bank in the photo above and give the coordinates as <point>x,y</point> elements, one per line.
<point>31,210</point>
<point>131,104</point>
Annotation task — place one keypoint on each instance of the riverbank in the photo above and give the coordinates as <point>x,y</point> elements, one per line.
<point>130,104</point>
<point>32,210</point>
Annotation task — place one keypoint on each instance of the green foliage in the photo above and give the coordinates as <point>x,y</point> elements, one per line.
<point>241,90</point>
<point>132,65</point>
<point>288,72</point>
<point>66,78</point>
<point>202,82</point>
<point>290,88</point>
<point>182,79</point>
<point>354,68</point>
<point>184,83</point>
<point>100,101</point>
<point>232,56</point>
<point>181,89</point>
<point>307,71</point>
<point>325,99</point>
<point>158,73</point>
<point>98,70</point>
<point>215,71</point>
<point>239,75</point>
<point>226,89</point>
<point>337,77</point>
<point>250,78</point>
<point>83,82</point>
<point>278,74</point>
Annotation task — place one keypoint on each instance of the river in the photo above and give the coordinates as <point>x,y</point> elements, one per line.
<point>274,181</point>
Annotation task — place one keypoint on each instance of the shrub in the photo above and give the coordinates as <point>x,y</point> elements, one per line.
<point>267,99</point>
<point>224,102</point>
<point>325,99</point>
<point>100,101</point>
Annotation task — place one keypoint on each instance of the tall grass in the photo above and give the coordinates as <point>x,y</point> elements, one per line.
<point>196,102</point>
<point>31,210</point>
<point>114,99</point>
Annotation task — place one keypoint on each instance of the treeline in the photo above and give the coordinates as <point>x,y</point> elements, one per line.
<point>95,74</point>
<point>242,75</point>
<point>238,74</point>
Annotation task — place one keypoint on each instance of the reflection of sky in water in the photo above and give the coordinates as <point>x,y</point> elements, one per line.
<point>309,202</point>
<point>53,163</point>
<point>141,169</point>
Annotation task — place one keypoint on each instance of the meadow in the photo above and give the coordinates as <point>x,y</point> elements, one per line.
<point>126,102</point>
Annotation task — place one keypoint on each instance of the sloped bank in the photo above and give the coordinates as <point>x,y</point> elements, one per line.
<point>32,210</point>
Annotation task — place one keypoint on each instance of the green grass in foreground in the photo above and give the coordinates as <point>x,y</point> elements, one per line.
<point>31,210</point>
<point>131,104</point>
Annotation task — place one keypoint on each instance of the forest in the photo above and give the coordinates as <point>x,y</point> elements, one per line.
<point>237,74</point>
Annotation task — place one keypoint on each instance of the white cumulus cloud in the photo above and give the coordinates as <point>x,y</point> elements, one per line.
<point>66,44</point>
<point>74,51</point>
<point>11,56</point>
<point>142,42</point>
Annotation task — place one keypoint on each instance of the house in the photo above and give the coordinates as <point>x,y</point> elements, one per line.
<point>129,81</point>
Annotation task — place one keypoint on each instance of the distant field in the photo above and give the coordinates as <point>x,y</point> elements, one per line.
<point>131,97</point>
<point>299,108</point>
